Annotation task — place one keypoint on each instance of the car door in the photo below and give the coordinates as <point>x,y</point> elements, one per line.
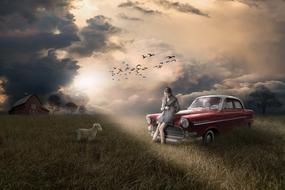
<point>239,113</point>
<point>228,115</point>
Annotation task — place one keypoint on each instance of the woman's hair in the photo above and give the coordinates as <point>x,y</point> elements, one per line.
<point>168,90</point>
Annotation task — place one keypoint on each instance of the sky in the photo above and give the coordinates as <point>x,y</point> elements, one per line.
<point>68,47</point>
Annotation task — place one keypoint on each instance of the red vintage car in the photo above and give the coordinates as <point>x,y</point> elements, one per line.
<point>206,117</point>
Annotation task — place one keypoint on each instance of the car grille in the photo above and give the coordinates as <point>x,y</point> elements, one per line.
<point>171,133</point>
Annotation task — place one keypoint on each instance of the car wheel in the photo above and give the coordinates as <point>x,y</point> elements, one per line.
<point>209,137</point>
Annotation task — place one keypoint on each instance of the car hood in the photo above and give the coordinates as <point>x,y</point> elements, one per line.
<point>191,113</point>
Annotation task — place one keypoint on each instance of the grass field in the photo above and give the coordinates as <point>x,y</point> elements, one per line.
<point>41,153</point>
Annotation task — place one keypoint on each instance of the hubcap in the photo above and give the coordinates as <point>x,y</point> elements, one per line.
<point>209,138</point>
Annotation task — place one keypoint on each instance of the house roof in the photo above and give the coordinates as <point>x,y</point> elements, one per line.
<point>22,101</point>
<point>25,99</point>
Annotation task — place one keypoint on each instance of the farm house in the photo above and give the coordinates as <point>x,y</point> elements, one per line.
<point>30,104</point>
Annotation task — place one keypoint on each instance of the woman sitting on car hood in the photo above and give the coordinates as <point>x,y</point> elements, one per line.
<point>170,106</point>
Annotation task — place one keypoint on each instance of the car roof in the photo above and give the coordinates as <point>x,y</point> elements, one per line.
<point>219,96</point>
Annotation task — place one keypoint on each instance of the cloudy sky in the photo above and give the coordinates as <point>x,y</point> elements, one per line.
<point>68,47</point>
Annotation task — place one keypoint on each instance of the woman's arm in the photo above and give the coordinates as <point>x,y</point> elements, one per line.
<point>177,106</point>
<point>163,104</point>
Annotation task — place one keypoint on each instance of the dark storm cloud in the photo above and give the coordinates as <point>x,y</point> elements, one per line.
<point>250,3</point>
<point>255,3</point>
<point>30,33</point>
<point>18,14</point>
<point>27,45</point>
<point>197,76</point>
<point>28,7</point>
<point>41,75</point>
<point>79,99</point>
<point>126,17</point>
<point>25,31</point>
<point>186,85</point>
<point>95,37</point>
<point>137,6</point>
<point>181,7</point>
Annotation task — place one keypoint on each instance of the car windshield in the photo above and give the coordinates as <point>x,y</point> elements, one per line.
<point>206,103</point>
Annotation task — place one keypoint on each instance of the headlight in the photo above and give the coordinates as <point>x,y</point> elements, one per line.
<point>148,120</point>
<point>184,122</point>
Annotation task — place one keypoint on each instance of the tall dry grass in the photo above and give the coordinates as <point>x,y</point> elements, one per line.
<point>41,153</point>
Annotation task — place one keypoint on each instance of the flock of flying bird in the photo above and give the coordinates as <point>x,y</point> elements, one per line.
<point>124,71</point>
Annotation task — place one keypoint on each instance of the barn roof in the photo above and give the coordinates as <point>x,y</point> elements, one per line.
<point>22,101</point>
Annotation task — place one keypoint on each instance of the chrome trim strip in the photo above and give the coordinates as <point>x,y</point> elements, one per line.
<point>174,136</point>
<point>170,139</point>
<point>216,121</point>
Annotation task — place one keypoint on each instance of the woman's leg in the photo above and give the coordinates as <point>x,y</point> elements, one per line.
<point>161,131</point>
<point>154,137</point>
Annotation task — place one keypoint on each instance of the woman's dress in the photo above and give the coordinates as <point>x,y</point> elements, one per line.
<point>167,115</point>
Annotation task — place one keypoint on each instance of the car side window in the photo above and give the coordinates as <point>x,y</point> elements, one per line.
<point>237,104</point>
<point>228,104</point>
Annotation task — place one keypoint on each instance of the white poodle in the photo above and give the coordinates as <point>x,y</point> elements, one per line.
<point>88,134</point>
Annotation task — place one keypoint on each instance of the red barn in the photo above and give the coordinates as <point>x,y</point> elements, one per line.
<point>30,104</point>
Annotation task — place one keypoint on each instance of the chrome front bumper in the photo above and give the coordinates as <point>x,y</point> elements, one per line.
<point>173,134</point>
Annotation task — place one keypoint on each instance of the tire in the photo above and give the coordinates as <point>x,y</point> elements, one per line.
<point>209,137</point>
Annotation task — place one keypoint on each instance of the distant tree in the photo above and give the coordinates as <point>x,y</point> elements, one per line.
<point>54,102</point>
<point>82,109</point>
<point>72,107</point>
<point>263,98</point>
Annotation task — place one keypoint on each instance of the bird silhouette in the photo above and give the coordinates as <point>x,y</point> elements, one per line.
<point>125,70</point>
<point>119,71</point>
<point>170,56</point>
<point>148,55</point>
<point>138,67</point>
<point>158,66</point>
